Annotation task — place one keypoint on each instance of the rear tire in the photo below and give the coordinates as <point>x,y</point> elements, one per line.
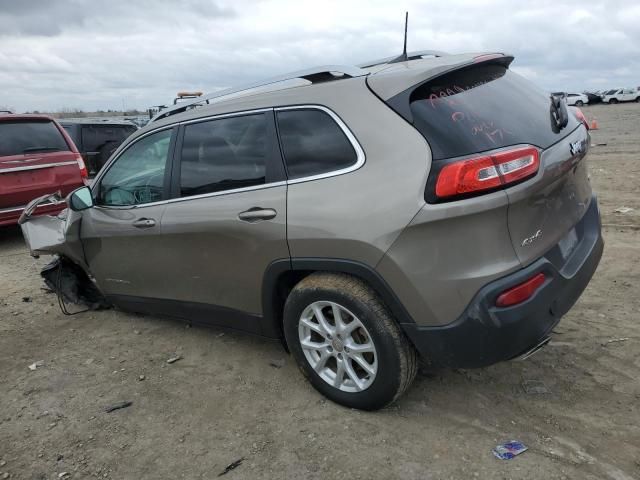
<point>354,352</point>
<point>638,100</point>
<point>579,103</point>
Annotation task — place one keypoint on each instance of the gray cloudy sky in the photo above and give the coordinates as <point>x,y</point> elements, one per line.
<point>93,55</point>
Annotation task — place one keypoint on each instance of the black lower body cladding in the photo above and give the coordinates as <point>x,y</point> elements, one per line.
<point>485,334</point>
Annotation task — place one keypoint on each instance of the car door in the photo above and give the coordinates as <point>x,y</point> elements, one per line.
<point>227,220</point>
<point>121,234</point>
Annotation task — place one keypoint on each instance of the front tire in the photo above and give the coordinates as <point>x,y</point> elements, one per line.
<point>579,103</point>
<point>613,101</point>
<point>346,343</point>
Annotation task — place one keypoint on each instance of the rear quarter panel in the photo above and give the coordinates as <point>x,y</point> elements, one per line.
<point>358,215</point>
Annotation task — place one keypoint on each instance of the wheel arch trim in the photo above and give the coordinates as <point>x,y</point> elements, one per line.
<point>280,269</point>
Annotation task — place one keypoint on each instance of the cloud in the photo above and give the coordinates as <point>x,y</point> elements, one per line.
<point>84,54</point>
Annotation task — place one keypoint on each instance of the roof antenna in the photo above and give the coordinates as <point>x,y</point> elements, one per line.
<point>403,57</point>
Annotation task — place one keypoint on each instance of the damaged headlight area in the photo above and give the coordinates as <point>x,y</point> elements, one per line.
<point>65,274</point>
<point>72,285</point>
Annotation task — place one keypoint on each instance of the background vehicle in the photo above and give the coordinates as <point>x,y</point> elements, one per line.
<point>577,99</point>
<point>36,157</point>
<point>593,97</point>
<point>367,215</point>
<point>97,139</point>
<point>622,95</point>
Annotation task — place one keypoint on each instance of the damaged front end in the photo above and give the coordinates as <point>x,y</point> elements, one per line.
<point>60,236</point>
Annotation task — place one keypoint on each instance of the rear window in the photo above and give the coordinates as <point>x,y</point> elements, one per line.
<point>482,108</point>
<point>313,143</point>
<point>24,137</point>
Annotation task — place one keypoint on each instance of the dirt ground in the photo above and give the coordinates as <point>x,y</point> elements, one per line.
<point>224,401</point>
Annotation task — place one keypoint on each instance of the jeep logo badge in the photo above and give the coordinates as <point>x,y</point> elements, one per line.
<point>577,147</point>
<point>529,240</point>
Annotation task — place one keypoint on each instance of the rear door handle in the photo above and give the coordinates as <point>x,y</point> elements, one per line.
<point>144,223</point>
<point>257,214</point>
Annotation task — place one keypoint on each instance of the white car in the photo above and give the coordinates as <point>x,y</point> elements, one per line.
<point>622,95</point>
<point>577,99</point>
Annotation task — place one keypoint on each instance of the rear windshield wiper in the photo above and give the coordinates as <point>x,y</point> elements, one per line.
<point>41,149</point>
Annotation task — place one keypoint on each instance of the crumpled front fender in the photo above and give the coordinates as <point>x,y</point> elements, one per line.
<point>49,235</point>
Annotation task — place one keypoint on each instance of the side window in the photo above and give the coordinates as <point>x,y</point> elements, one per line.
<point>224,154</point>
<point>137,176</point>
<point>313,143</point>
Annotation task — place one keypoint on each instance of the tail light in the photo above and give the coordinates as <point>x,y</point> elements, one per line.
<point>83,168</point>
<point>580,116</point>
<point>479,175</point>
<point>522,292</point>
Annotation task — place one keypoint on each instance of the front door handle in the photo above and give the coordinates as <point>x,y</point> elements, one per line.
<point>257,214</point>
<point>144,223</point>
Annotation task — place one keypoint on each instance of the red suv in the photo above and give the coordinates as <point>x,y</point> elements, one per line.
<point>36,157</point>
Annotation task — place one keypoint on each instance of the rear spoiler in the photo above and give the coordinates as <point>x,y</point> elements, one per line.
<point>400,102</point>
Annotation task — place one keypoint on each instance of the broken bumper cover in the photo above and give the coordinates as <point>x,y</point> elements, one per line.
<point>485,334</point>
<point>12,215</point>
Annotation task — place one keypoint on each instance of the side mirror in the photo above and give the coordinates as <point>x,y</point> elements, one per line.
<point>80,199</point>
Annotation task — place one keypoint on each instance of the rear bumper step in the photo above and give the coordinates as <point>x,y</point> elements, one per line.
<point>485,334</point>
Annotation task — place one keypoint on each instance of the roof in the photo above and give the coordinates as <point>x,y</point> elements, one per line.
<point>23,116</point>
<point>389,78</point>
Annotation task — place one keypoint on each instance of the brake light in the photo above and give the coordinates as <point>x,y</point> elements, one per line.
<point>487,172</point>
<point>580,116</point>
<point>83,168</point>
<point>522,292</point>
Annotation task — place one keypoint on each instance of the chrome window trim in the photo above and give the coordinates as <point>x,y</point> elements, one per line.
<point>264,186</point>
<point>360,156</point>
<point>242,113</point>
<point>36,167</point>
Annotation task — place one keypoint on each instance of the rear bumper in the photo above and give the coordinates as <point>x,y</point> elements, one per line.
<point>10,216</point>
<point>485,334</point>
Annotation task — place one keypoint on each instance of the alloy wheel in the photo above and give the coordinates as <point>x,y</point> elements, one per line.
<point>337,346</point>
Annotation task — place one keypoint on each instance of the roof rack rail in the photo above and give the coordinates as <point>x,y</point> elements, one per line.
<point>410,56</point>
<point>315,75</point>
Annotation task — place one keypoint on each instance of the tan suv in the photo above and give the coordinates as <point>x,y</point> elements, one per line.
<point>434,207</point>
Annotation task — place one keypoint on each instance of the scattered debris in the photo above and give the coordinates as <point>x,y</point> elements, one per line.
<point>118,406</point>
<point>137,332</point>
<point>2,463</point>
<point>534,387</point>
<point>508,450</point>
<point>220,335</point>
<point>59,457</point>
<point>26,299</point>
<point>63,474</point>
<point>623,210</point>
<point>141,378</point>
<point>598,144</point>
<point>231,466</point>
<point>615,340</point>
<point>5,475</point>
<point>88,361</point>
<point>34,365</point>
<point>174,359</point>
<point>277,363</point>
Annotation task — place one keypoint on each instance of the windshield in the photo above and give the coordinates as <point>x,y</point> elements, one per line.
<point>21,137</point>
<point>482,108</point>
